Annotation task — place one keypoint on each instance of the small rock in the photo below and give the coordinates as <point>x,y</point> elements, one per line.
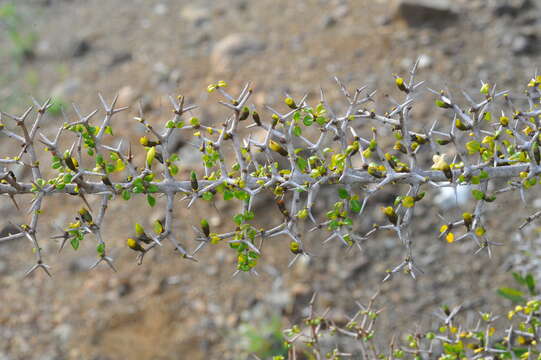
<point>66,88</point>
<point>80,48</point>
<point>81,263</point>
<point>120,58</point>
<point>425,61</point>
<point>426,12</point>
<point>126,96</point>
<point>160,9</point>
<point>341,11</point>
<point>162,72</point>
<point>197,15</point>
<point>63,332</point>
<point>233,46</point>
<point>328,21</point>
<point>510,7</point>
<point>523,44</point>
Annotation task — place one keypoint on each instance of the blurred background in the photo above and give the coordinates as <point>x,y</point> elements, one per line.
<point>146,50</point>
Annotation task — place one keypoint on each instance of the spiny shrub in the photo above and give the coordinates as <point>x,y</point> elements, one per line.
<point>514,335</point>
<point>485,140</point>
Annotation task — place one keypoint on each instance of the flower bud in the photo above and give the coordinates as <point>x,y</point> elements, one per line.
<point>274,146</point>
<point>391,214</point>
<point>290,102</point>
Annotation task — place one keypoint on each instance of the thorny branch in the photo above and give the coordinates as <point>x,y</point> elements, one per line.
<point>487,142</point>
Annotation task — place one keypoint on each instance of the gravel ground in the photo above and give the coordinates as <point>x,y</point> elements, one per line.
<point>145,50</point>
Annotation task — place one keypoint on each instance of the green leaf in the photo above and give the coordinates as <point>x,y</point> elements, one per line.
<point>519,279</point>
<point>238,219</point>
<point>195,121</point>
<point>170,124</point>
<point>355,206</point>
<point>100,249</point>
<point>207,196</point>
<point>74,243</point>
<point>483,174</point>
<point>152,188</point>
<point>478,194</point>
<point>343,193</point>
<point>473,147</point>
<point>307,120</point>
<point>173,169</point>
<point>228,195</point>
<point>157,227</point>
<point>321,120</point>
<point>126,195</point>
<point>242,195</point>
<point>297,131</point>
<point>301,163</point>
<point>151,200</point>
<point>333,225</point>
<point>514,295</point>
<point>530,282</point>
<point>249,215</point>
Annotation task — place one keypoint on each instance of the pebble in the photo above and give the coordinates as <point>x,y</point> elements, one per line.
<point>233,46</point>
<point>424,12</point>
<point>197,15</point>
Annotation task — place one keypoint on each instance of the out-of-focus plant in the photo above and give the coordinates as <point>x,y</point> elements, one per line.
<point>263,340</point>
<point>321,145</point>
<point>514,335</point>
<point>22,40</point>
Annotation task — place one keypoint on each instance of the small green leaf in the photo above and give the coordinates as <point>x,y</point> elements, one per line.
<point>126,194</point>
<point>74,243</point>
<point>530,282</point>
<point>307,120</point>
<point>478,194</point>
<point>238,219</point>
<point>100,249</point>
<point>297,131</point>
<point>514,295</point>
<point>151,200</point>
<point>473,147</point>
<point>343,193</point>
<point>228,195</point>
<point>207,196</point>
<point>301,163</point>
<point>355,206</point>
